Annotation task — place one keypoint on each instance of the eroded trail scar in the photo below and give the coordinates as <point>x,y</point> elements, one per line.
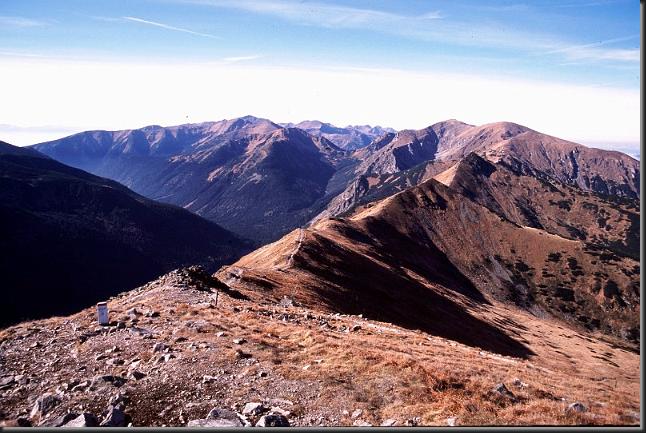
<point>290,260</point>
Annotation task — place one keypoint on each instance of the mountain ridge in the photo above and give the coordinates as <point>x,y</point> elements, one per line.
<point>209,167</point>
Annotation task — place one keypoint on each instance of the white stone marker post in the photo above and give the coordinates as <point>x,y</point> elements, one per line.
<point>102,313</point>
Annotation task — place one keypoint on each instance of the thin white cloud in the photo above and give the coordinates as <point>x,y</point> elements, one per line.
<point>11,53</point>
<point>169,27</point>
<point>237,59</point>
<point>322,14</point>
<point>621,55</point>
<point>432,27</point>
<point>9,21</point>
<point>106,19</point>
<point>593,51</point>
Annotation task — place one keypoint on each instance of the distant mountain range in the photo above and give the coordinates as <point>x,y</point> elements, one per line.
<point>261,180</point>
<point>70,238</point>
<point>424,265</point>
<point>347,138</point>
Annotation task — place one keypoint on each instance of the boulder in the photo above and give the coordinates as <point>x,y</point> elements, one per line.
<point>576,407</point>
<point>59,421</point>
<point>136,374</point>
<point>116,417</point>
<point>105,379</point>
<point>83,420</point>
<point>218,418</point>
<point>253,408</point>
<point>272,420</point>
<point>159,347</point>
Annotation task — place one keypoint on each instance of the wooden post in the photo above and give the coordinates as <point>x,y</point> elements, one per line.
<point>216,297</point>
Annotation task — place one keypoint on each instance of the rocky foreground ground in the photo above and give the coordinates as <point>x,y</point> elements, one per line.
<point>171,356</point>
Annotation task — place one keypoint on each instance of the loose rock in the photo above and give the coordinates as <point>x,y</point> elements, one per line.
<point>273,420</point>
<point>44,404</point>
<point>136,375</point>
<point>115,418</point>
<point>502,391</point>
<point>253,408</point>
<point>7,382</point>
<point>59,421</point>
<point>83,420</point>
<point>519,384</point>
<point>577,407</point>
<point>159,347</point>
<point>218,418</point>
<point>209,379</point>
<point>361,423</point>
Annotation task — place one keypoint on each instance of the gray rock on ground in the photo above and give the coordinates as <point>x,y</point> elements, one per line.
<point>59,421</point>
<point>83,420</point>
<point>6,382</point>
<point>218,418</point>
<point>503,391</point>
<point>253,408</point>
<point>273,420</point>
<point>136,374</point>
<point>115,418</point>
<point>361,423</point>
<point>577,407</point>
<point>44,404</point>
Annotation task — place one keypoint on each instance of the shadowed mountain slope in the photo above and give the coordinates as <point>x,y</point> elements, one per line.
<point>70,238</point>
<point>399,259</point>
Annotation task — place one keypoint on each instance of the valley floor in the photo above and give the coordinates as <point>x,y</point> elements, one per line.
<point>315,367</point>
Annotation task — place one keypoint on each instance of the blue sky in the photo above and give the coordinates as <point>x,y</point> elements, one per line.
<point>590,44</point>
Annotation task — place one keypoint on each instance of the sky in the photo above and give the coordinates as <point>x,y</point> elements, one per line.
<point>567,68</point>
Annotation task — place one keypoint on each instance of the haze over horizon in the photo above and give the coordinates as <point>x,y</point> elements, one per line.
<point>568,70</point>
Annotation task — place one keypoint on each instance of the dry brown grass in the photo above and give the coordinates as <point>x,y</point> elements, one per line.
<point>384,370</point>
